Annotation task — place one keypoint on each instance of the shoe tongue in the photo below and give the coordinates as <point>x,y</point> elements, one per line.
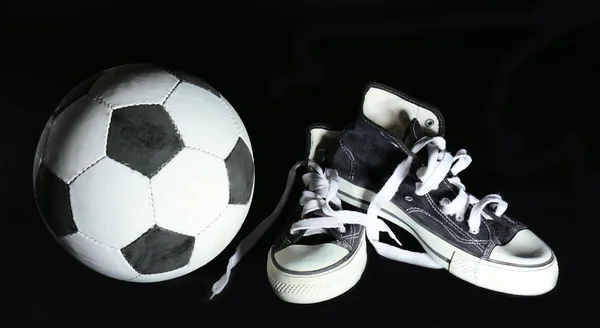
<point>413,132</point>
<point>395,111</point>
<point>320,157</point>
<point>321,141</point>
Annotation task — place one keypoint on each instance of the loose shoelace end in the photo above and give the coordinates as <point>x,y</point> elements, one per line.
<point>218,286</point>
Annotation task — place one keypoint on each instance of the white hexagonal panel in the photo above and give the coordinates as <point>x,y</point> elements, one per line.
<point>77,138</point>
<point>134,84</point>
<point>238,120</point>
<point>103,259</point>
<point>213,240</point>
<point>112,203</point>
<point>190,192</point>
<point>202,119</point>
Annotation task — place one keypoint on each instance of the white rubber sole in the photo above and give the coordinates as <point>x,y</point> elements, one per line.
<point>310,289</point>
<point>515,280</point>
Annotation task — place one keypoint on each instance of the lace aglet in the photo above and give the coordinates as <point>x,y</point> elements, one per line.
<point>215,292</point>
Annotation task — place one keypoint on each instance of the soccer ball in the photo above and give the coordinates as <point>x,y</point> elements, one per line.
<point>143,174</point>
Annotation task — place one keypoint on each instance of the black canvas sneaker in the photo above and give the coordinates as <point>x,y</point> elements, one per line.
<point>393,162</point>
<point>313,262</point>
<point>322,251</point>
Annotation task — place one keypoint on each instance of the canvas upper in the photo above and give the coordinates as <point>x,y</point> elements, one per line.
<point>393,160</point>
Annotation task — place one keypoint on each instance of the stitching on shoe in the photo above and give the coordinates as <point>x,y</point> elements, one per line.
<point>388,136</point>
<point>350,157</point>
<point>488,250</point>
<point>459,239</point>
<point>452,223</point>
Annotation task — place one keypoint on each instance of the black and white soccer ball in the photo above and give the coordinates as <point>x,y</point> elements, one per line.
<point>142,174</point>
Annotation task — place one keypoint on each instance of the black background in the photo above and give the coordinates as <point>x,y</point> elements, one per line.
<point>517,85</point>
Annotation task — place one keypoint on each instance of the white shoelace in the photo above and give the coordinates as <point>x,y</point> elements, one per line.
<point>440,163</point>
<point>321,193</point>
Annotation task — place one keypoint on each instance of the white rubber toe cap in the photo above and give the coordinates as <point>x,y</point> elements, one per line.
<point>525,249</point>
<point>303,258</point>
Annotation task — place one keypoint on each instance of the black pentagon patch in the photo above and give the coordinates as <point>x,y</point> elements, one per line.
<point>158,251</point>
<point>143,137</point>
<point>240,169</point>
<point>192,79</point>
<point>54,203</point>
<point>76,93</point>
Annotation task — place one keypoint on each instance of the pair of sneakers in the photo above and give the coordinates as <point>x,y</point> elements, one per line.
<point>391,165</point>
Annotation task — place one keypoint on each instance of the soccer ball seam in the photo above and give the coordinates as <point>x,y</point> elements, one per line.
<point>151,204</point>
<point>204,151</point>
<point>84,170</point>
<point>176,131</point>
<point>94,240</point>
<point>154,274</point>
<point>237,127</point>
<point>170,92</point>
<point>213,221</point>
<point>99,100</point>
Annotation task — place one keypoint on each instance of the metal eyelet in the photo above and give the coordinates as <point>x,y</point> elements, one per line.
<point>408,198</point>
<point>429,123</point>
